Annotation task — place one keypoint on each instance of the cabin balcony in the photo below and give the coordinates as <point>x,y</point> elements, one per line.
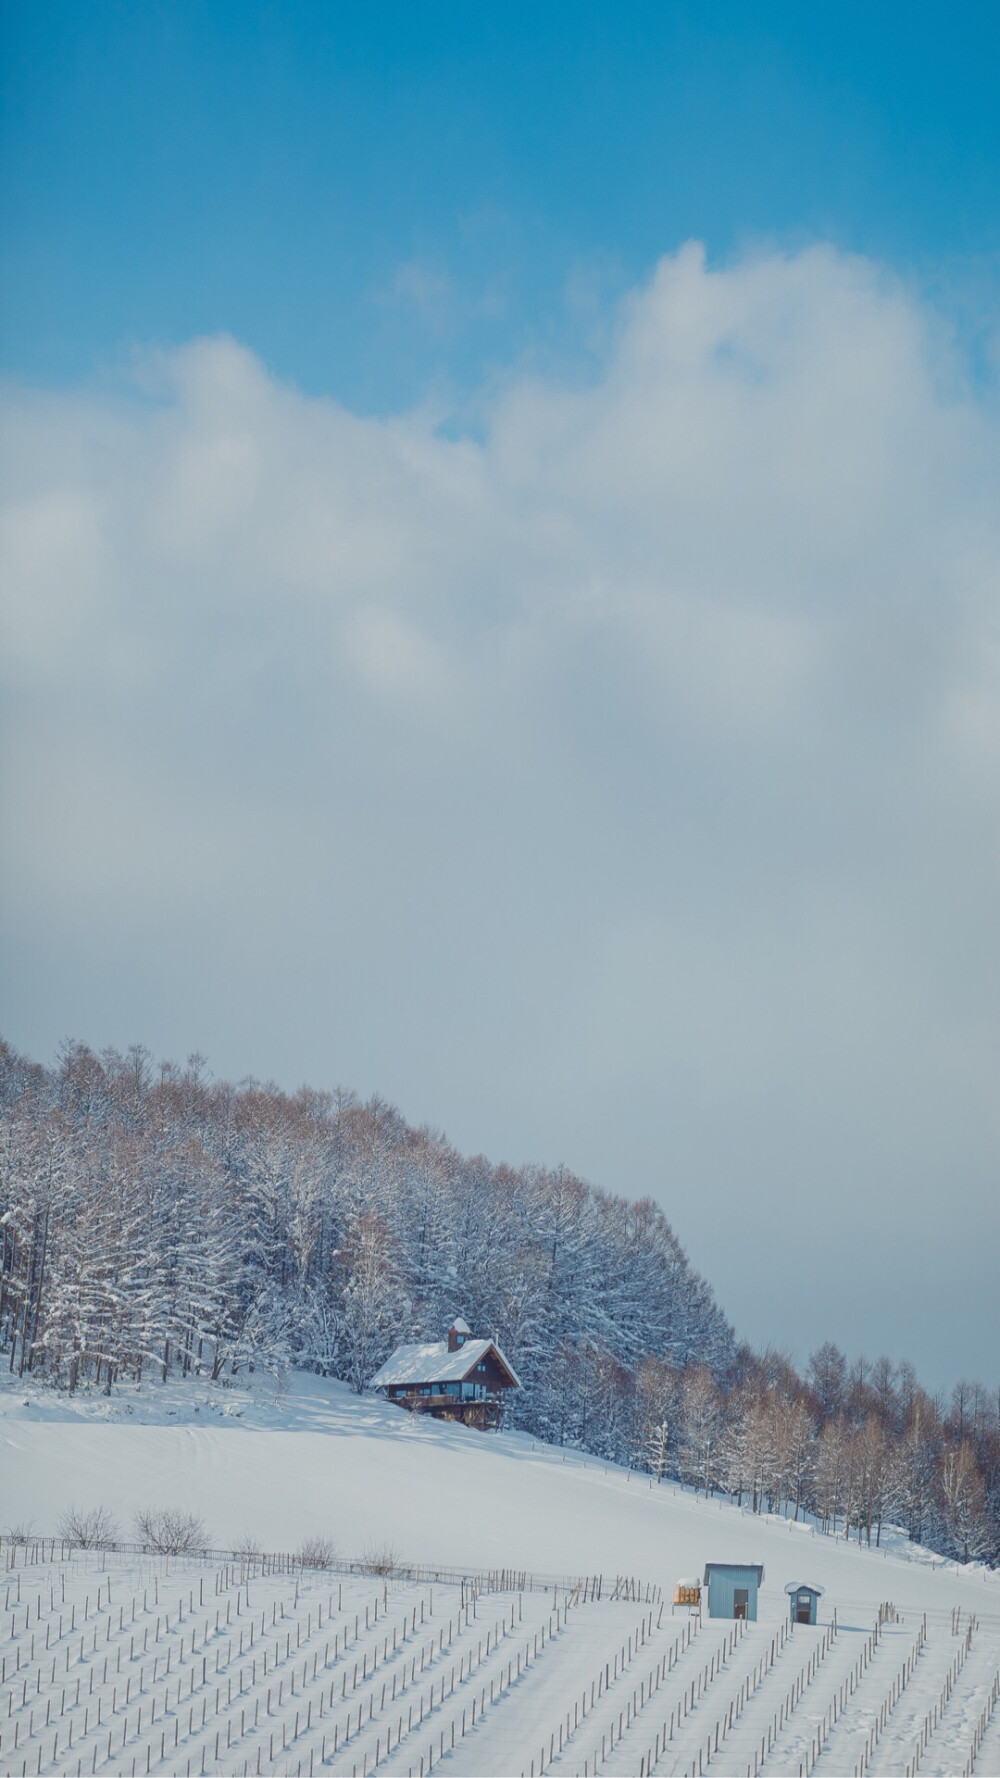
<point>470,1403</point>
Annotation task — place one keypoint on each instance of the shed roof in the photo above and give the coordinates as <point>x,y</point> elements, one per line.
<point>756,1568</point>
<point>804,1586</point>
<point>433,1363</point>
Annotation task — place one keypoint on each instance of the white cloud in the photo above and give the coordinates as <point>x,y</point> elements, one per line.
<point>619,785</point>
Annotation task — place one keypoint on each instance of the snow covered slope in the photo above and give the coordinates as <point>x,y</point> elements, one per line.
<point>319,1460</point>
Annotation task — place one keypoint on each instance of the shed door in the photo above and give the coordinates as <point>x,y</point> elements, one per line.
<point>803,1614</point>
<point>741,1601</point>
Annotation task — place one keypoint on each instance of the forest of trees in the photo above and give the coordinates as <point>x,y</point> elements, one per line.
<point>155,1223</point>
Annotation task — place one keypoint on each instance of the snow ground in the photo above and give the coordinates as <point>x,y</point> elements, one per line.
<point>316,1459</point>
<point>118,1664</point>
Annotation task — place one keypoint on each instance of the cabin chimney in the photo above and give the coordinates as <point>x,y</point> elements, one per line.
<point>458,1333</point>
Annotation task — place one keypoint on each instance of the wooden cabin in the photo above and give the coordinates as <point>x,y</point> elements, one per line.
<point>457,1378</point>
<point>803,1601</point>
<point>732,1589</point>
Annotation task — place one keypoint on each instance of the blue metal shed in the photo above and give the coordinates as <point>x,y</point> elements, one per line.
<point>732,1589</point>
<point>804,1600</point>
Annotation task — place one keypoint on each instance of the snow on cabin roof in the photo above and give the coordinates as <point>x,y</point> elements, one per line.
<point>460,1326</point>
<point>433,1363</point>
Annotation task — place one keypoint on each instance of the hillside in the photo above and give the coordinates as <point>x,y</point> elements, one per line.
<point>314,1457</point>
<point>320,1460</point>
<point>155,1224</point>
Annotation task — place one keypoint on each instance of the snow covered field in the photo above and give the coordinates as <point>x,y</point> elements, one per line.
<point>122,1663</point>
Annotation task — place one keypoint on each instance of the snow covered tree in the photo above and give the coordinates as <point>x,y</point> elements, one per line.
<point>963,1502</point>
<point>657,1448</point>
<point>375,1305</point>
<point>701,1425</point>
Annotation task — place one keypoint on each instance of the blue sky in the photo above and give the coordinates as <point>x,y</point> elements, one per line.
<point>500,536</point>
<point>377,196</point>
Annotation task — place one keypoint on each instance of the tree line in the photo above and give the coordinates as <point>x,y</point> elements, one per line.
<point>156,1223</point>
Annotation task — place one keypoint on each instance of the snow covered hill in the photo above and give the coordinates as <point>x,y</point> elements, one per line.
<point>319,1459</point>
<point>611,1682</point>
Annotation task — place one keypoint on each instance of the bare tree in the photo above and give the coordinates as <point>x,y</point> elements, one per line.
<point>170,1531</point>
<point>380,1558</point>
<point>316,1551</point>
<point>248,1548</point>
<point>91,1528</point>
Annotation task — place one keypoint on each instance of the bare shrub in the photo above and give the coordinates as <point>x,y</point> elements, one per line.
<point>90,1528</point>
<point>22,1533</point>
<point>317,1552</point>
<point>170,1531</point>
<point>247,1548</point>
<point>379,1558</point>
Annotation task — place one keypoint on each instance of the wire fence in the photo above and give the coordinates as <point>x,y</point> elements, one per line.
<point>34,1551</point>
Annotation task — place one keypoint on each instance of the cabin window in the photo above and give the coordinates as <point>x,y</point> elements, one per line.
<point>481,1367</point>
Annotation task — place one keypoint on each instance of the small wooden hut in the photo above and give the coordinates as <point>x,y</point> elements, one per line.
<point>732,1589</point>
<point>803,1601</point>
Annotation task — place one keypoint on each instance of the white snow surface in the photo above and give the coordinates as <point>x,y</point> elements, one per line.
<point>313,1458</point>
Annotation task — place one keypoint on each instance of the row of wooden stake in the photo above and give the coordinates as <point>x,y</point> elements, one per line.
<point>664,1735</point>
<point>606,1677</point>
<point>743,1696</point>
<point>890,1701</point>
<point>470,1608</point>
<point>842,1696</point>
<point>933,1717</point>
<point>466,1615</point>
<point>785,1709</point>
<point>447,1738</point>
<point>981,1727</point>
<point>204,1679</point>
<point>689,1698</point>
